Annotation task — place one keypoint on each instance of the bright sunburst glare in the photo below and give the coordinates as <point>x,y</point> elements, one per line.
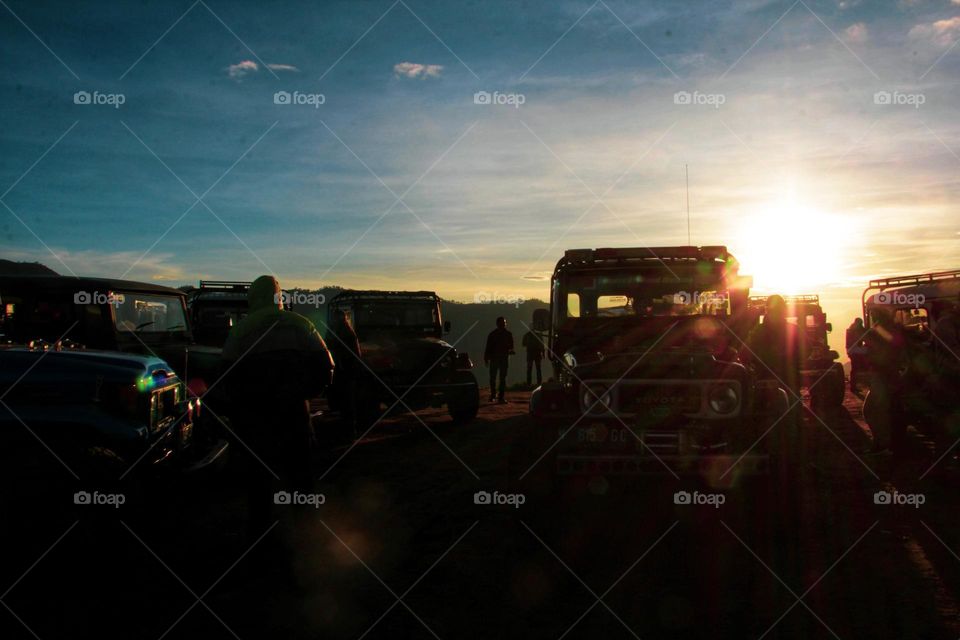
<point>792,248</point>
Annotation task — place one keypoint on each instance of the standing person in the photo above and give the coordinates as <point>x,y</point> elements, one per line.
<point>775,354</point>
<point>775,347</point>
<point>497,356</point>
<point>887,355</point>
<point>345,349</point>
<point>274,362</point>
<point>534,348</point>
<point>855,351</point>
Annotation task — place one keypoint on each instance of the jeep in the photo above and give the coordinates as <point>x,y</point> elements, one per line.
<point>401,339</point>
<point>922,388</point>
<point>215,308</point>
<point>644,346</point>
<point>102,414</point>
<point>820,372</point>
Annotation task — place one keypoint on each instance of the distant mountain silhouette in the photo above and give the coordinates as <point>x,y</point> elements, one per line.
<point>11,268</point>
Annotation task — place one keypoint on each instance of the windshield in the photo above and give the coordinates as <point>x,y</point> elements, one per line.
<point>148,313</point>
<point>397,315</point>
<point>634,295</point>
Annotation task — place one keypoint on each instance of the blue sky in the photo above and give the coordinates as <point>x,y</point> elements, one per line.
<point>797,164</point>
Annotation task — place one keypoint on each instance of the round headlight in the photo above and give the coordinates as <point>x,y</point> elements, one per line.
<point>724,399</point>
<point>569,360</point>
<point>596,399</point>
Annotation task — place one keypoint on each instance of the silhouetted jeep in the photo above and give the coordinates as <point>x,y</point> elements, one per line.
<point>104,415</point>
<point>215,308</point>
<point>644,345</point>
<point>919,387</point>
<point>107,314</point>
<point>401,337</point>
<point>820,372</point>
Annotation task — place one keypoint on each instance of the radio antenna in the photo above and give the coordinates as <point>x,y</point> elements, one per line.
<point>686,172</point>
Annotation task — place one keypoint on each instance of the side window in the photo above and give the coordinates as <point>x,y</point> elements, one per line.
<point>573,305</point>
<point>46,318</point>
<point>913,321</point>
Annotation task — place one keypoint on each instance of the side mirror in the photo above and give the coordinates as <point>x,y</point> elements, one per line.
<point>446,326</point>
<point>541,320</point>
<point>829,327</point>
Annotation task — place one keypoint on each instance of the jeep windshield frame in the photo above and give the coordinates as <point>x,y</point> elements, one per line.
<point>644,289</point>
<point>136,312</point>
<point>415,313</point>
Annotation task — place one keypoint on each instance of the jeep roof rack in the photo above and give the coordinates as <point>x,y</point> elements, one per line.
<point>880,284</point>
<point>225,284</point>
<point>714,252</point>
<point>372,294</point>
<point>811,298</point>
<point>922,278</point>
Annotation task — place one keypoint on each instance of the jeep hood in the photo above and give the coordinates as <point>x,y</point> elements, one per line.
<point>617,343</point>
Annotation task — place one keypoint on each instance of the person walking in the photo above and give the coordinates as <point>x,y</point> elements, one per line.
<point>497,357</point>
<point>533,346</point>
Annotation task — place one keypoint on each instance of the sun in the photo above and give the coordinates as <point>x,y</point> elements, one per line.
<point>792,248</point>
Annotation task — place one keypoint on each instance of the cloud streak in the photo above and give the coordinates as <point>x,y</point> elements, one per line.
<point>414,70</point>
<point>245,68</point>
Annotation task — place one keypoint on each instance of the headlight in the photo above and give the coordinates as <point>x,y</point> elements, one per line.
<point>596,399</point>
<point>724,399</point>
<point>569,360</point>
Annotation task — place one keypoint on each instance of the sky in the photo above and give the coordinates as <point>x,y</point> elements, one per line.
<point>462,146</point>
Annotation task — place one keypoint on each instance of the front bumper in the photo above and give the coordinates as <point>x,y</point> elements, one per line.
<point>709,465</point>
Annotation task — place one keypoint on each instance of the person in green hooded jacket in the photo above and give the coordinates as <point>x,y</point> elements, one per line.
<point>274,362</point>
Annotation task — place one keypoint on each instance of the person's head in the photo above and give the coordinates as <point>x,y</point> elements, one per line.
<point>776,311</point>
<point>858,322</point>
<point>501,323</point>
<point>265,293</point>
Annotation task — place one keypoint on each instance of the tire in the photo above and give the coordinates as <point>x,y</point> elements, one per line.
<point>463,405</point>
<point>830,391</point>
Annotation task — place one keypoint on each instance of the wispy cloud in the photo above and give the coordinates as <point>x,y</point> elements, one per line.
<point>417,70</point>
<point>856,33</point>
<point>942,33</point>
<point>282,67</point>
<point>245,68</point>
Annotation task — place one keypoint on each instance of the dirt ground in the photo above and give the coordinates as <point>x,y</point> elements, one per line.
<point>400,548</point>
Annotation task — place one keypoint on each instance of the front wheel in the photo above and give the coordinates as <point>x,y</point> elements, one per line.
<point>464,403</point>
<point>830,390</point>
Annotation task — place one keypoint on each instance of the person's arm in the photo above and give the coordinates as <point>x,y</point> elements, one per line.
<point>510,351</point>
<point>487,349</point>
